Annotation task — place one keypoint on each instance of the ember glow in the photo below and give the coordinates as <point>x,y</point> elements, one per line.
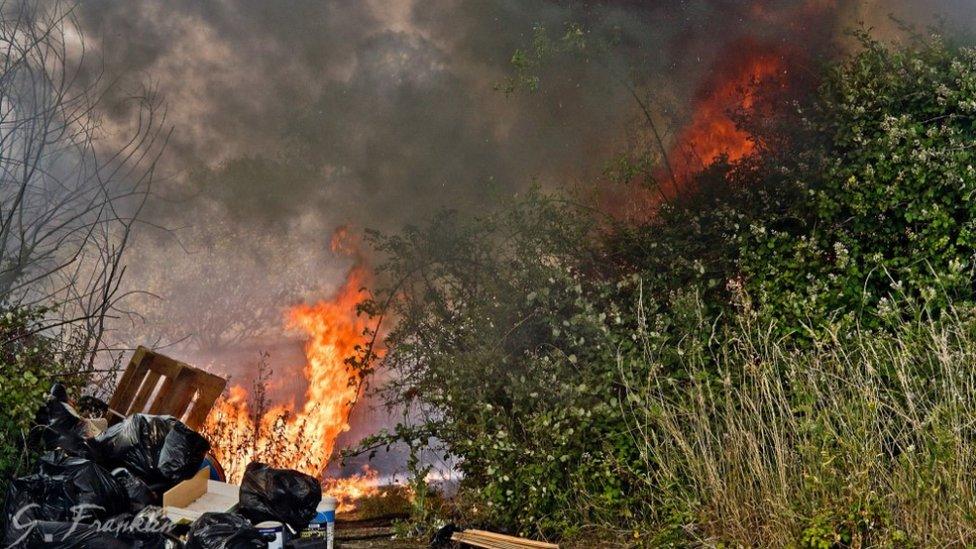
<point>303,437</point>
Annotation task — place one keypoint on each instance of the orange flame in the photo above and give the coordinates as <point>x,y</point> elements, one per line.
<point>712,131</point>
<point>304,439</point>
<point>350,490</point>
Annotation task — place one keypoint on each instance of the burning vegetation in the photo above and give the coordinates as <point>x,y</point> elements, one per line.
<point>778,357</point>
<point>246,426</point>
<point>731,90</point>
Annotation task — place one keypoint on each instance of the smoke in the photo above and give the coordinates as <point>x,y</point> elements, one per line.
<point>294,118</point>
<point>378,113</point>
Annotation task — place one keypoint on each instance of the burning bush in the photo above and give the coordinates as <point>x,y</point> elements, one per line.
<point>642,379</point>
<point>247,426</point>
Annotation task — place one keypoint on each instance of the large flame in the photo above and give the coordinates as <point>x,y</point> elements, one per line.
<point>303,438</point>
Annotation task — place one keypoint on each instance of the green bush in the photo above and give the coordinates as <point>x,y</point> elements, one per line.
<point>28,365</point>
<point>886,169</point>
<point>502,323</point>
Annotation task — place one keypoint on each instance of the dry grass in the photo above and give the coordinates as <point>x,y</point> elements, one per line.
<point>393,502</point>
<point>864,440</point>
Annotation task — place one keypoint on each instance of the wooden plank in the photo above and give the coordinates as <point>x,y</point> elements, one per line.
<point>181,383</point>
<point>181,396</point>
<point>485,543</point>
<point>491,540</point>
<point>146,391</point>
<point>131,380</point>
<point>511,539</point>
<point>166,366</point>
<point>161,404</point>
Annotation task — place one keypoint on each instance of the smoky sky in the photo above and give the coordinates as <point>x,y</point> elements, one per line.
<point>293,118</point>
<point>377,113</point>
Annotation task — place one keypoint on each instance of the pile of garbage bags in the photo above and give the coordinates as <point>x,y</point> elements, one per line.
<point>103,489</point>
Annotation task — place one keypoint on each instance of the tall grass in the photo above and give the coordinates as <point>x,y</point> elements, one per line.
<point>865,439</point>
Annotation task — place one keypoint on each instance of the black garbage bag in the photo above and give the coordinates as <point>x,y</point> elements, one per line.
<point>442,538</point>
<point>65,489</point>
<point>58,392</point>
<point>73,480</point>
<point>160,450</point>
<point>140,494</point>
<point>57,426</point>
<point>68,535</point>
<point>224,531</point>
<point>21,508</point>
<point>282,495</point>
<point>152,529</point>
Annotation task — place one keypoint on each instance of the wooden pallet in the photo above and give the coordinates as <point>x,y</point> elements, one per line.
<point>491,540</point>
<point>186,392</point>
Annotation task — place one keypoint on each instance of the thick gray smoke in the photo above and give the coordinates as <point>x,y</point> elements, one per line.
<point>292,118</point>
<point>376,113</point>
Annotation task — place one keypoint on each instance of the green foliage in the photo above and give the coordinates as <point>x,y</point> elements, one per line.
<point>501,322</point>
<point>27,363</point>
<point>527,64</point>
<point>885,162</point>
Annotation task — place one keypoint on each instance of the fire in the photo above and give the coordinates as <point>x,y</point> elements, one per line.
<point>303,438</point>
<point>712,131</point>
<point>349,490</point>
<point>731,87</point>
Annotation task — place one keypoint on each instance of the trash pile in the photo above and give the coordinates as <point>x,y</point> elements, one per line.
<point>99,486</point>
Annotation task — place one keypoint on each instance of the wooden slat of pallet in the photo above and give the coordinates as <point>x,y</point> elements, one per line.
<point>488,543</point>
<point>491,540</point>
<point>511,539</point>
<point>176,394</point>
<point>165,365</point>
<point>178,398</point>
<point>185,390</point>
<point>162,401</point>
<point>130,382</point>
<point>146,391</point>
<point>210,387</point>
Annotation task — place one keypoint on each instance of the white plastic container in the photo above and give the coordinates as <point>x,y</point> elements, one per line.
<point>274,532</point>
<point>323,524</point>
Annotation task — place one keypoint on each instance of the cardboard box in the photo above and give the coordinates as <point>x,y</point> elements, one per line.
<point>191,498</point>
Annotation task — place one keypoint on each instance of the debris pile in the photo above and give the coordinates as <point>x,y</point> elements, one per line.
<point>100,486</point>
